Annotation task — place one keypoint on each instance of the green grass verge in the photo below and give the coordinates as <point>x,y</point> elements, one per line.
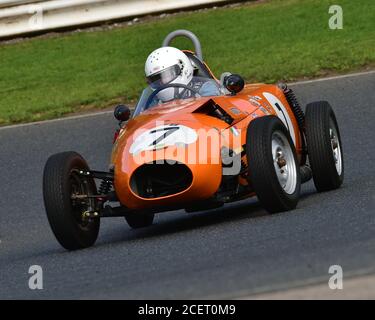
<point>47,77</point>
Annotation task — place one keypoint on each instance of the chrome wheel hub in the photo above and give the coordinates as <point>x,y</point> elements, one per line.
<point>284,162</point>
<point>335,146</point>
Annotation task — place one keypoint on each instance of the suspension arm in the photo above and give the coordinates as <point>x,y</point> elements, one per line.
<point>103,175</point>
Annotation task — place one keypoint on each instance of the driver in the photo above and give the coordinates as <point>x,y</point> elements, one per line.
<point>168,65</point>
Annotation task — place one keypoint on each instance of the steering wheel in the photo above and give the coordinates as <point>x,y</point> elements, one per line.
<point>170,85</point>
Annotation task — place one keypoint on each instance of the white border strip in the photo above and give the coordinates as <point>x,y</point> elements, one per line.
<point>55,14</point>
<point>98,113</point>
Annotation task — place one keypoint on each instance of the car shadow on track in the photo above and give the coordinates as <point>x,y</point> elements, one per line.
<point>169,223</point>
<point>179,221</point>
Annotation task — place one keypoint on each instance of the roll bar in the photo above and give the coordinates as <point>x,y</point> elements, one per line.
<point>187,34</point>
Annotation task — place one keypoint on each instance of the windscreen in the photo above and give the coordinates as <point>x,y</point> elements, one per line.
<point>198,87</point>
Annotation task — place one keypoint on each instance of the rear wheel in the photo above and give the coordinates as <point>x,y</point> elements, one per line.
<point>273,167</point>
<point>139,220</point>
<point>65,212</point>
<point>324,146</point>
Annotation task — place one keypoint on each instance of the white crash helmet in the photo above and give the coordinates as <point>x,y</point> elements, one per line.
<point>168,65</point>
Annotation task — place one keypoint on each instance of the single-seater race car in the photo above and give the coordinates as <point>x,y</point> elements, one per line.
<point>197,152</point>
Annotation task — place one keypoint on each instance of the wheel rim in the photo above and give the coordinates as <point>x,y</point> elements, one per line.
<point>335,146</point>
<point>284,162</point>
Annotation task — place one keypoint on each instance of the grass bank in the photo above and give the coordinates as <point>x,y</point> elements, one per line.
<point>268,41</point>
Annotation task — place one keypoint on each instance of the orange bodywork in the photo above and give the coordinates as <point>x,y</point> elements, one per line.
<point>255,100</point>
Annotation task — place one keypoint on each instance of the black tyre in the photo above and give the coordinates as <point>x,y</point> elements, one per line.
<point>273,166</point>
<point>324,146</point>
<point>139,220</point>
<point>65,215</point>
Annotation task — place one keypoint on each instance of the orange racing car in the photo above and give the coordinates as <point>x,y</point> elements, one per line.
<point>196,152</point>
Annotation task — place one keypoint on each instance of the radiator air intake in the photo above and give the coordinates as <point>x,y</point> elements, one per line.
<point>155,180</point>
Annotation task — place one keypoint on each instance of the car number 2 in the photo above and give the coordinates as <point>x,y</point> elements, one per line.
<point>163,136</point>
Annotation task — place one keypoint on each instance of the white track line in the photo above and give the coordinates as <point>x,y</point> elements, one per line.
<point>350,75</point>
<point>81,116</point>
<point>86,115</point>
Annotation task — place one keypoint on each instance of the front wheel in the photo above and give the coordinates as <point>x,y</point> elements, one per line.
<point>65,200</point>
<point>273,167</point>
